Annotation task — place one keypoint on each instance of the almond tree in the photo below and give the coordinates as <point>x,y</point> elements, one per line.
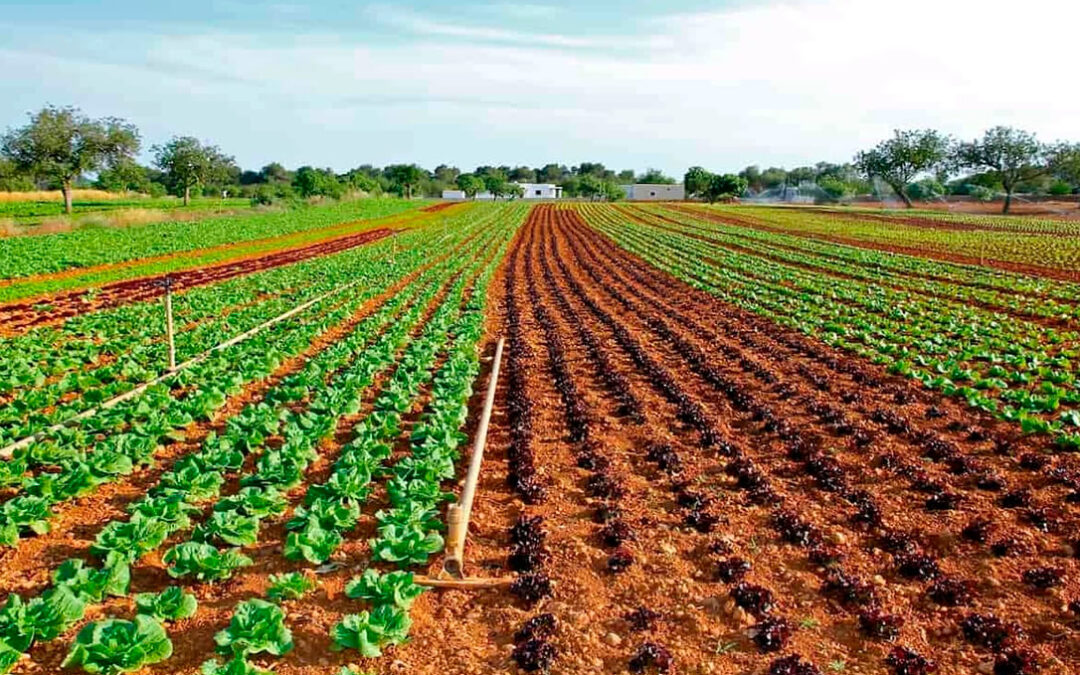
<point>1013,155</point>
<point>901,158</point>
<point>61,145</point>
<point>188,163</point>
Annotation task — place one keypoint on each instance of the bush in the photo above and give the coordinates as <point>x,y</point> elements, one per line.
<point>1060,188</point>
<point>983,194</point>
<point>834,190</point>
<point>926,189</point>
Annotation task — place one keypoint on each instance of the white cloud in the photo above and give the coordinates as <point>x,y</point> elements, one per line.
<point>791,82</point>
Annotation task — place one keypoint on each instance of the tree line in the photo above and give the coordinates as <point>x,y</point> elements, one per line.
<point>61,148</point>
<point>925,165</point>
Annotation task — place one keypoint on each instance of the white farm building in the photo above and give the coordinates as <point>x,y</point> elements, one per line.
<point>529,191</point>
<point>541,191</point>
<point>654,192</point>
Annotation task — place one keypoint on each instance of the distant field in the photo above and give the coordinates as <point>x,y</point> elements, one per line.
<point>35,206</point>
<point>1031,245</point>
<point>91,245</point>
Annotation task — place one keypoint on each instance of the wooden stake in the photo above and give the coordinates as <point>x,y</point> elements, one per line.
<point>457,516</point>
<point>463,584</point>
<point>169,324</point>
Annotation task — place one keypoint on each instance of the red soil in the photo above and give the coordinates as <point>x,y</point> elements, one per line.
<point>19,317</point>
<point>441,206</point>
<point>700,344</point>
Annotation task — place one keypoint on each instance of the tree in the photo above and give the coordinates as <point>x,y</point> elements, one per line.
<point>125,176</point>
<point>470,184</point>
<point>903,157</point>
<point>590,186</point>
<point>446,174</point>
<point>1013,155</point>
<point>522,174</point>
<point>1065,164</point>
<point>61,145</point>
<point>773,177</point>
<point>611,191</point>
<point>655,177</point>
<point>552,173</point>
<point>724,186</point>
<point>310,182</point>
<point>514,191</point>
<point>275,173</point>
<point>495,183</point>
<point>187,162</point>
<point>405,177</point>
<point>696,181</point>
<point>626,176</point>
<point>752,174</point>
<point>10,178</point>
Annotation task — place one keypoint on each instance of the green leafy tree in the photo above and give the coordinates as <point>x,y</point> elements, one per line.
<point>496,184</point>
<point>696,181</point>
<point>522,174</point>
<point>898,160</point>
<point>405,178</point>
<point>552,173</point>
<point>10,178</point>
<point>752,174</point>
<point>275,173</point>
<point>1065,164</point>
<point>125,176</point>
<point>611,191</point>
<point>311,182</point>
<point>655,177</point>
<point>187,163</point>
<point>60,145</point>
<point>724,186</point>
<point>514,191</point>
<point>589,186</point>
<point>1013,155</point>
<point>470,184</point>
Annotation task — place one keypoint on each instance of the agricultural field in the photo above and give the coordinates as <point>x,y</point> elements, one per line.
<point>724,440</point>
<point>35,207</point>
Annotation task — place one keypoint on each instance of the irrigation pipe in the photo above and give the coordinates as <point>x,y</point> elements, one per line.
<point>8,451</point>
<point>457,516</point>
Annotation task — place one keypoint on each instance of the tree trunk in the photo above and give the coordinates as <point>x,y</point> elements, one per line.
<point>1008,201</point>
<point>66,189</point>
<point>903,195</point>
<point>187,195</point>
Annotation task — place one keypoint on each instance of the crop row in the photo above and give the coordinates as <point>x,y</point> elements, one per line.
<point>1027,297</point>
<point>1049,249</point>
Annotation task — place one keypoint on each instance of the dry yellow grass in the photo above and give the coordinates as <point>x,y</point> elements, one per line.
<point>56,196</point>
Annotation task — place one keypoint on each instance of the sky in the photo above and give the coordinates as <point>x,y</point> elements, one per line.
<point>631,84</point>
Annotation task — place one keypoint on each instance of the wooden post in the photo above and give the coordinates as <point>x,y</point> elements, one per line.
<point>169,323</point>
<point>457,515</point>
